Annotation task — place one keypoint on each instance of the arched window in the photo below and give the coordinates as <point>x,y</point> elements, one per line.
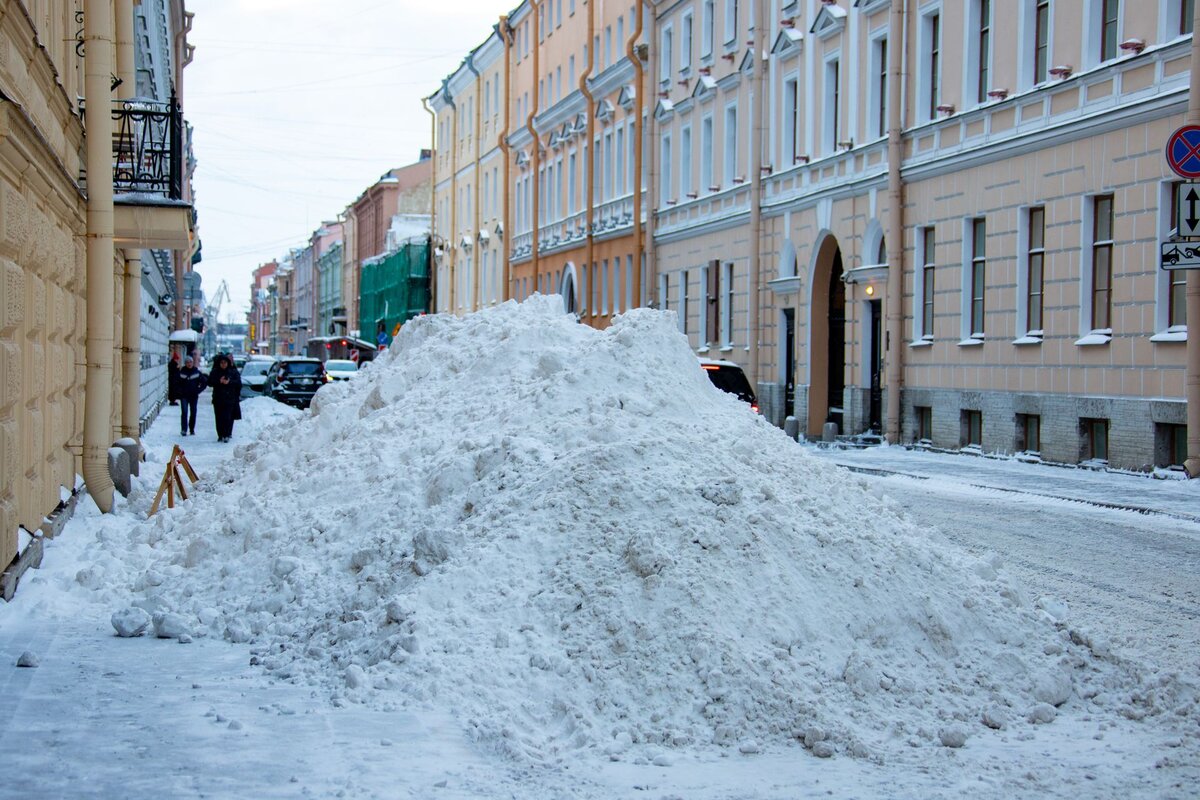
<point>881,254</point>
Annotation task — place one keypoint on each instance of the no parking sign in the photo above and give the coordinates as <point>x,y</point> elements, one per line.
<point>1183,152</point>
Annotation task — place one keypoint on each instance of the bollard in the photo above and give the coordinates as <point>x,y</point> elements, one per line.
<point>830,432</point>
<point>130,446</point>
<point>791,427</point>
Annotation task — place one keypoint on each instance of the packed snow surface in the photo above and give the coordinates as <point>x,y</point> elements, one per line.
<point>570,540</point>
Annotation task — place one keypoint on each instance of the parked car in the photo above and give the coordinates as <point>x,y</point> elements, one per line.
<point>254,376</point>
<point>239,361</point>
<point>729,377</point>
<point>340,369</point>
<point>295,380</point>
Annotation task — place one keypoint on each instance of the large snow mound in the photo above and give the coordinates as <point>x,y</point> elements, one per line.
<point>571,540</point>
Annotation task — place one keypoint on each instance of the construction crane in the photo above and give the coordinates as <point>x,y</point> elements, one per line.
<point>212,314</point>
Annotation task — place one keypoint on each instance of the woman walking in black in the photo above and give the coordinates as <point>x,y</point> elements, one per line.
<point>226,386</point>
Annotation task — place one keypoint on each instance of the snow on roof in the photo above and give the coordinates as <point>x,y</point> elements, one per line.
<point>574,542</point>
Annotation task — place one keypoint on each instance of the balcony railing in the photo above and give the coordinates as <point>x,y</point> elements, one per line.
<point>148,148</point>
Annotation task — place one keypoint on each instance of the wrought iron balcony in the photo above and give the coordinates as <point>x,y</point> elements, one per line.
<point>148,148</point>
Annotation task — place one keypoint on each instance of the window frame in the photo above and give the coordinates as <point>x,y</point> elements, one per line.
<point>925,296</point>
<point>977,279</point>
<point>1106,247</point>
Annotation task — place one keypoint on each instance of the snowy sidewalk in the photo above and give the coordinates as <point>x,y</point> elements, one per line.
<point>1175,498</point>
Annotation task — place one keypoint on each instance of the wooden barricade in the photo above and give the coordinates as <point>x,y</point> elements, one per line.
<point>172,481</point>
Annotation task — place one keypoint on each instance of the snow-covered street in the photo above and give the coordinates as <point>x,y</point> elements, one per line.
<point>458,579</point>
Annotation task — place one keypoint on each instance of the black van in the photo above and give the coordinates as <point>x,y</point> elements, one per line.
<point>295,380</point>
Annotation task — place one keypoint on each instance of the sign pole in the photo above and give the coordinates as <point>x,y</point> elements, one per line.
<point>1192,464</point>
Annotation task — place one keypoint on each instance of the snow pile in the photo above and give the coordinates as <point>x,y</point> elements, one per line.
<point>572,540</point>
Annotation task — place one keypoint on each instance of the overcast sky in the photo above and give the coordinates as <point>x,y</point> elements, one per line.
<point>300,105</point>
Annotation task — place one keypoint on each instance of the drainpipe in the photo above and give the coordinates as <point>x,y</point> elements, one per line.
<point>755,167</point>
<point>535,6</point>
<point>1192,464</point>
<point>638,73</point>
<point>433,144</point>
<point>894,346</point>
<point>131,338</point>
<point>650,277</point>
<point>589,167</point>
<point>452,245</point>
<point>98,348</point>
<point>506,32</point>
<point>478,150</point>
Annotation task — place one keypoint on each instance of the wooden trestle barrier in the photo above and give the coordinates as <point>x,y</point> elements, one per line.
<point>172,481</point>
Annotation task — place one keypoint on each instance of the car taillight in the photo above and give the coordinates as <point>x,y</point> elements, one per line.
<point>754,408</point>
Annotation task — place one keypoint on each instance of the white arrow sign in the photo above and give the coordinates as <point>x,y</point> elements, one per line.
<point>1187,210</point>
<point>1181,255</point>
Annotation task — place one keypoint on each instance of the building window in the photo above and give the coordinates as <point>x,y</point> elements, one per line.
<point>1176,279</point>
<point>685,42</point>
<point>706,155</point>
<point>706,29</point>
<point>666,185</point>
<point>928,270</point>
<point>685,162</point>
<point>1029,433</point>
<point>668,40</point>
<point>933,66</point>
<point>985,48</point>
<point>731,21</point>
<point>1110,11</point>
<point>629,299</point>
<point>832,101</point>
<point>731,152</point>
<point>790,122</point>
<point>924,419</point>
<point>1035,270</point>
<point>1095,439</point>
<point>664,291</point>
<point>683,301</point>
<point>978,276</point>
<point>972,428</point>
<point>727,310</point>
<point>1041,41</point>
<point>881,87</point>
<point>1187,16</point>
<point>1102,253</point>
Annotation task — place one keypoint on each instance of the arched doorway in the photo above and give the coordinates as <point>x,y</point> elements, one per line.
<point>566,287</point>
<point>827,338</point>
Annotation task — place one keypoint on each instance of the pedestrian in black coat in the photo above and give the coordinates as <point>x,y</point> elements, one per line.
<point>226,384</point>
<point>191,384</point>
<point>173,379</point>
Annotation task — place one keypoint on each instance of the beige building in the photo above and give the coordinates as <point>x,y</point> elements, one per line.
<point>70,293</point>
<point>951,240</point>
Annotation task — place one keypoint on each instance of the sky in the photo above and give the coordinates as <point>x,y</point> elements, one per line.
<point>300,105</point>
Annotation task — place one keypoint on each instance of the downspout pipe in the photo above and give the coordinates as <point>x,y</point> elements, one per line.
<point>506,32</point>
<point>433,181</point>
<point>131,318</point>
<point>589,166</point>
<point>894,344</point>
<point>452,245</point>
<point>639,72</point>
<point>650,276</point>
<point>756,182</point>
<point>98,346</point>
<point>1192,295</point>
<point>535,7</point>
<point>478,152</point>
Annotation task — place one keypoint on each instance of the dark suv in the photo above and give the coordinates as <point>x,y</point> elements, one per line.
<point>729,377</point>
<point>295,380</point>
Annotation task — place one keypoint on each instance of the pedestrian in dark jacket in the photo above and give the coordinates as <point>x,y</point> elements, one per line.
<point>226,386</point>
<point>191,384</point>
<point>173,379</point>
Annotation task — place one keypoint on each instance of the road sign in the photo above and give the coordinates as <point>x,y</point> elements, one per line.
<point>1187,210</point>
<point>1183,152</point>
<point>1180,255</point>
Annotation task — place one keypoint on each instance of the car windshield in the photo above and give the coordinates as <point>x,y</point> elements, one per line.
<point>302,368</point>
<point>337,365</point>
<point>256,367</point>
<point>730,379</point>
